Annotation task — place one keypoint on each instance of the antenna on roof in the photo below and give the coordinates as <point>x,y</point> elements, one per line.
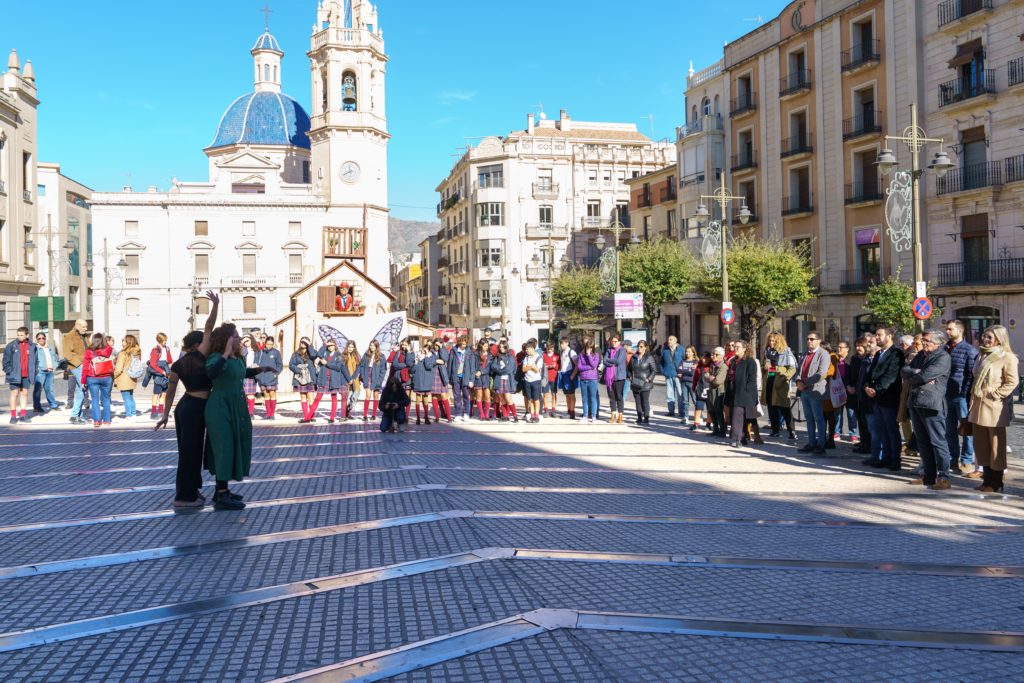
<point>759,19</point>
<point>650,117</point>
<point>541,115</point>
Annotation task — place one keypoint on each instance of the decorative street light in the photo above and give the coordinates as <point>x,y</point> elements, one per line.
<point>109,278</point>
<point>716,234</point>
<point>54,261</point>
<point>903,205</point>
<point>612,254</point>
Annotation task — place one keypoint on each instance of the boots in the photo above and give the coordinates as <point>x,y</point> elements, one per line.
<point>991,481</point>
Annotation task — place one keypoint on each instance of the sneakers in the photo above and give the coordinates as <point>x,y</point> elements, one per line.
<point>196,504</point>
<point>941,485</point>
<point>224,500</point>
<point>14,420</point>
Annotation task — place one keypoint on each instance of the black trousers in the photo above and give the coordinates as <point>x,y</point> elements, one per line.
<point>616,397</point>
<point>740,416</point>
<point>862,429</point>
<point>643,403</point>
<point>190,426</point>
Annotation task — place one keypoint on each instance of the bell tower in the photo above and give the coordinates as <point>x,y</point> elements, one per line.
<point>349,134</point>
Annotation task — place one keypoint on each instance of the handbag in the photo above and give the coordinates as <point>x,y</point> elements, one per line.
<point>965,428</point>
<point>302,376</point>
<point>837,393</point>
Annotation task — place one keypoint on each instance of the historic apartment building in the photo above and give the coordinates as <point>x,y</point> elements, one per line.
<point>19,271</point>
<point>62,236</point>
<point>973,78</point>
<point>514,207</point>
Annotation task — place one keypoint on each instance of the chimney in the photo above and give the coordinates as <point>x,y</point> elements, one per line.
<point>126,188</point>
<point>564,122</point>
<point>152,189</point>
<point>529,124</point>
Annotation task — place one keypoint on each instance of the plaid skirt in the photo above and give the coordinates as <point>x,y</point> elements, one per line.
<point>334,392</point>
<point>439,386</point>
<point>306,388</point>
<point>502,385</point>
<point>249,387</point>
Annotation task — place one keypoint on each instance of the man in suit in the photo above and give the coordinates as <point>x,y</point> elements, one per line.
<point>813,386</point>
<point>928,375</point>
<point>861,404</point>
<point>884,386</point>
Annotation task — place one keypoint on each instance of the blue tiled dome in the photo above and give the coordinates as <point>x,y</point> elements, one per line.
<point>264,118</point>
<point>267,42</point>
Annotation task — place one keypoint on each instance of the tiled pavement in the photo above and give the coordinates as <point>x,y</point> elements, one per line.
<point>358,547</point>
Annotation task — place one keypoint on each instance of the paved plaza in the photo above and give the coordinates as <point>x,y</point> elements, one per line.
<point>495,552</point>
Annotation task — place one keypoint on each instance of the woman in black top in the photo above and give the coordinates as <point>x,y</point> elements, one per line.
<point>745,394</point>
<point>189,422</point>
<point>642,369</point>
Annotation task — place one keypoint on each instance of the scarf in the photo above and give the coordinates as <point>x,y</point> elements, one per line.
<point>989,356</point>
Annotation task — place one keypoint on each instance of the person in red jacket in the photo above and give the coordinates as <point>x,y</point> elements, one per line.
<point>98,378</point>
<point>159,363</point>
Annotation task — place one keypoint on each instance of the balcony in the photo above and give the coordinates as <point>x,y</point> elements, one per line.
<point>795,83</point>
<point>346,243</point>
<point>863,193</point>
<point>1014,167</point>
<point>796,145</point>
<point>742,105</point>
<point>442,262</point>
<point>691,179</point>
<point>965,89</point>
<point>200,281</point>
<point>589,222</point>
<point>668,194</point>
<point>248,282</point>
<point>704,124</point>
<point>295,278</point>
<point>130,281</point>
<point>857,280</point>
<point>545,190</point>
<point>541,273</point>
<point>1008,271</point>
<point>869,123</point>
<point>546,230</point>
<point>1015,72</point>
<point>489,183</point>
<point>798,205</point>
<point>955,10</point>
<point>744,161</point>
<point>973,177</point>
<point>643,200</point>
<point>860,56</point>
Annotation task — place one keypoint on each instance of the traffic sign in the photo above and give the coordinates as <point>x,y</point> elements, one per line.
<point>923,308</point>
<point>728,316</point>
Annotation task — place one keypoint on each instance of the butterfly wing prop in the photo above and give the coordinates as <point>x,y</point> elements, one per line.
<point>389,335</point>
<point>337,336</point>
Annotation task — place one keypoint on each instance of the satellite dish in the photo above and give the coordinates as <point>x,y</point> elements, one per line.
<point>543,116</point>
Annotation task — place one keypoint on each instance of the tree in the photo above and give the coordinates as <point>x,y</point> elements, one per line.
<point>891,303</point>
<point>663,270</point>
<point>764,278</point>
<point>576,293</point>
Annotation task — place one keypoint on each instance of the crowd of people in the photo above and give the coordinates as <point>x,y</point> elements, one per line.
<point>933,395</point>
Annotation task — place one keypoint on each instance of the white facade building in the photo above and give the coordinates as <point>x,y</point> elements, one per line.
<point>62,241</point>
<point>286,192</point>
<point>511,209</point>
<point>19,275</point>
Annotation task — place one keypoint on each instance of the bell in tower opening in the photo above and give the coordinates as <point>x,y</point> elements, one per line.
<point>348,92</point>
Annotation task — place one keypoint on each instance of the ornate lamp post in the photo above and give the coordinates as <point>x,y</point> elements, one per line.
<point>612,254</point>
<point>108,279</point>
<point>903,206</point>
<point>716,234</point>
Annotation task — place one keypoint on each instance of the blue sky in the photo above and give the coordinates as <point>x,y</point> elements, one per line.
<point>133,91</point>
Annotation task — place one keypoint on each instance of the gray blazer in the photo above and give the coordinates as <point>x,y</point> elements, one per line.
<point>927,376</point>
<point>817,384</point>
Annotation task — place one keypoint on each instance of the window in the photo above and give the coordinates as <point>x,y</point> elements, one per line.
<point>3,245</point>
<point>647,228</point>
<point>248,228</point>
<point>249,305</point>
<point>305,173</point>
<point>490,214</point>
<point>30,254</point>
<point>974,238</point>
<point>40,190</point>
<point>622,213</point>
<point>295,267</point>
<point>545,296</point>
<point>544,179</point>
<point>594,208</point>
<point>489,253</point>
<point>202,306</point>
<point>131,307</point>
<point>705,107</point>
<point>803,246</point>
<point>673,327</point>
<point>131,271</point>
<point>491,176</point>
<point>670,217</point>
<point>489,294</point>
<point>973,157</point>
<point>294,229</point>
<point>202,228</point>
<point>249,265</point>
<point>131,228</point>
<point>545,216</point>
<point>134,333</point>
<point>202,266</point>
<point>869,262</point>
<point>606,176</point>
<point>266,72</point>
<point>592,177</point>
<point>349,92</point>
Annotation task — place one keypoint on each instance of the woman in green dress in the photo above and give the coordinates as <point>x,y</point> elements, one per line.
<point>228,424</point>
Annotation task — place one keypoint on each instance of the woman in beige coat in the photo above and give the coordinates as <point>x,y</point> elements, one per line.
<point>991,405</point>
<point>123,382</point>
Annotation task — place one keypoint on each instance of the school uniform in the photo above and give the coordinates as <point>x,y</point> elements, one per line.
<point>459,379</point>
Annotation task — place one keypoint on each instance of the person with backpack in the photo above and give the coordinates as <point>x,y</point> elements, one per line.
<point>303,367</point>
<point>401,361</point>
<point>128,370</point>
<point>503,370</point>
<point>549,382</point>
<point>159,363</point>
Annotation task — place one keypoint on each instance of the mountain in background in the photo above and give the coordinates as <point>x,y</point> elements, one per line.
<point>405,236</point>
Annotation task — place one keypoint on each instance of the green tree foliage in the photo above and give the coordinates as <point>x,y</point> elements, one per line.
<point>764,278</point>
<point>576,293</point>
<point>663,270</point>
<point>891,303</point>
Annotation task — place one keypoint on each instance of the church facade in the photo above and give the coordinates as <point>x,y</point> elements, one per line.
<point>289,194</point>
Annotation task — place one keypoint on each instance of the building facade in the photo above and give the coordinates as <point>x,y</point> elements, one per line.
<point>286,193</point>
<point>513,207</point>
<point>973,80</point>
<point>63,242</point>
<point>19,267</point>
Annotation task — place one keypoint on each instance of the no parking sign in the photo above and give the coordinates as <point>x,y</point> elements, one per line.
<point>923,308</point>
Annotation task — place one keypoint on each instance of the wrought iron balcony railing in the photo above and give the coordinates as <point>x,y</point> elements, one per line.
<point>744,160</point>
<point>994,272</point>
<point>859,192</point>
<point>746,102</point>
<point>971,177</point>
<point>952,10</point>
<point>797,144</point>
<point>795,82</point>
<point>868,123</point>
<point>798,204</point>
<point>1014,167</point>
<point>961,89</point>
<point>859,55</point>
<point>1015,72</point>
<point>668,194</point>
<point>857,280</point>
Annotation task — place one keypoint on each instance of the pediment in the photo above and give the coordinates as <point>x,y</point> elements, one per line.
<point>201,245</point>
<point>131,246</point>
<point>247,161</point>
<point>294,245</point>
<point>248,245</point>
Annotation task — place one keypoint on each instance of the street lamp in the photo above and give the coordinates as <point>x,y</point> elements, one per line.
<point>613,254</point>
<point>716,235</point>
<point>108,279</point>
<point>54,260</point>
<point>903,209</point>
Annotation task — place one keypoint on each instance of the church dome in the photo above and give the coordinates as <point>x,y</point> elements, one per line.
<point>264,118</point>
<point>266,42</point>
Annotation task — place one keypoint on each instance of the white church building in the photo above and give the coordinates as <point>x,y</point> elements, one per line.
<point>288,196</point>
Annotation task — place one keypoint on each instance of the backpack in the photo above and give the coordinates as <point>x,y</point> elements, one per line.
<point>136,368</point>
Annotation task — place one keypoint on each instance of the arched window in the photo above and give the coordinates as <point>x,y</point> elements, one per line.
<point>275,81</point>
<point>705,107</point>
<point>348,92</point>
<point>266,72</point>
